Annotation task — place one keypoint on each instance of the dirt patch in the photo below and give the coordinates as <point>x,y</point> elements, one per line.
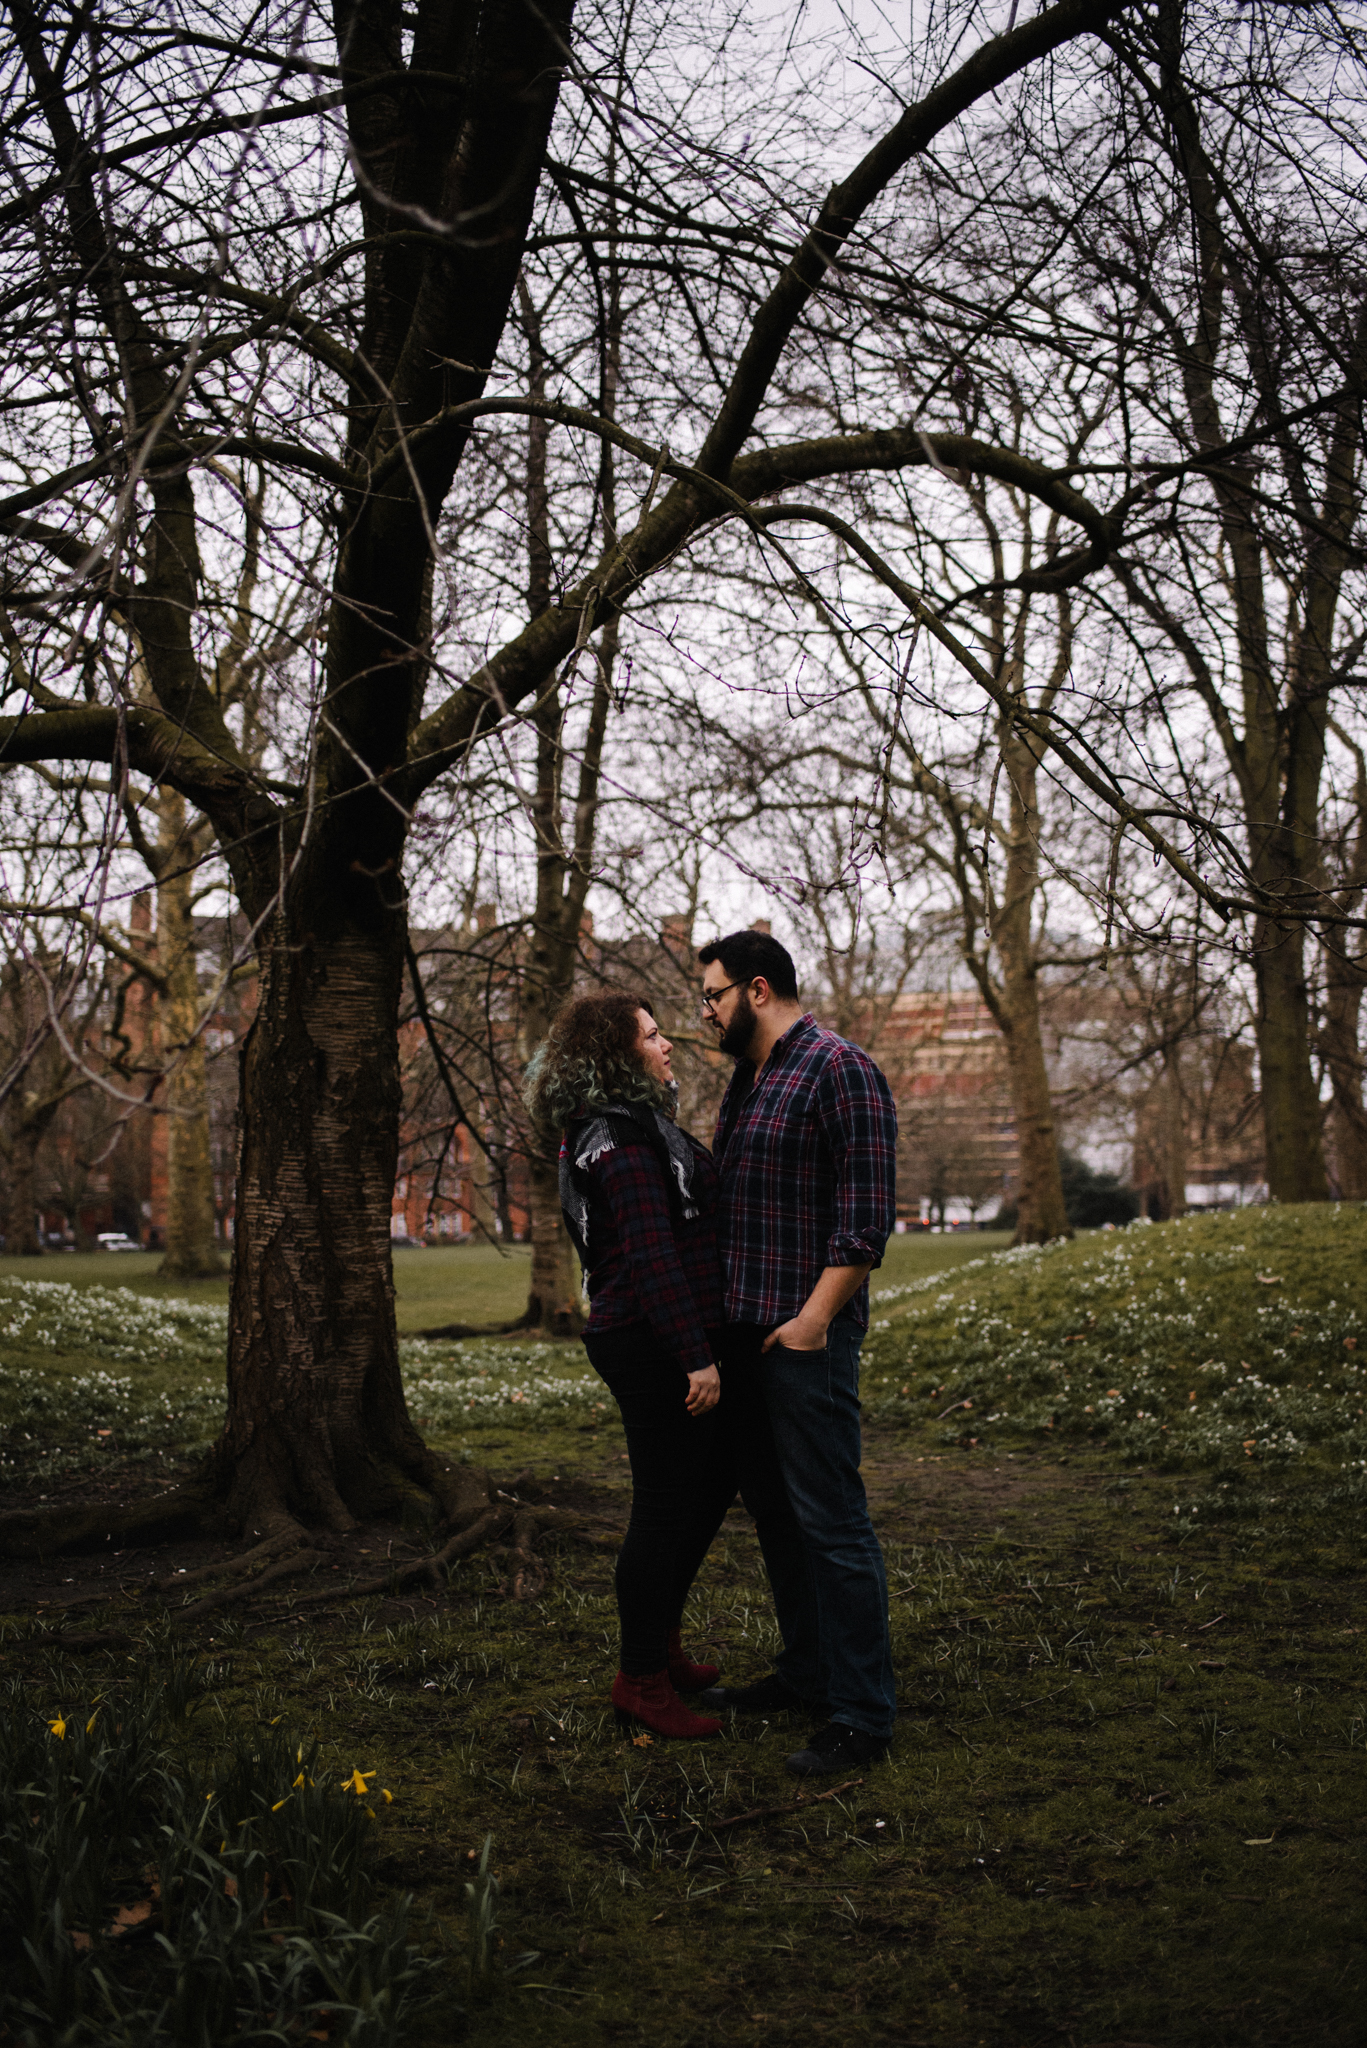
<point>962,1495</point>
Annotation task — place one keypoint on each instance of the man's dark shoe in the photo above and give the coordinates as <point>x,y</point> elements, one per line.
<point>766,1696</point>
<point>836,1748</point>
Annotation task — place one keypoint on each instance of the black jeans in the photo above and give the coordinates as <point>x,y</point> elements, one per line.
<point>681,1486</point>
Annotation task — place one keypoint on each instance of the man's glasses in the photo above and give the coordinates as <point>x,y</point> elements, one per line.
<point>714,995</point>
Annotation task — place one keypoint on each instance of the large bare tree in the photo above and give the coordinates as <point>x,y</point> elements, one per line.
<point>203,268</point>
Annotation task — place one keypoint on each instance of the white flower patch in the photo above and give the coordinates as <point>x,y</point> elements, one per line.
<point>68,1422</point>
<point>111,1322</point>
<point>477,1376</point>
<point>1177,1357</point>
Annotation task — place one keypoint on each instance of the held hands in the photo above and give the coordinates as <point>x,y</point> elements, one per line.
<point>805,1332</point>
<point>704,1391</point>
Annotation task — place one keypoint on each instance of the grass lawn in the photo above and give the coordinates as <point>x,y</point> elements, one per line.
<point>477,1284</point>
<point>1127,1797</point>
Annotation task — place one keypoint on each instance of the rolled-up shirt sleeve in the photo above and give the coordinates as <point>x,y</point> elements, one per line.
<point>630,1181</point>
<point>859,1123</point>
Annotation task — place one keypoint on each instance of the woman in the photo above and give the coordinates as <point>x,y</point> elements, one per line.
<point>640,1200</point>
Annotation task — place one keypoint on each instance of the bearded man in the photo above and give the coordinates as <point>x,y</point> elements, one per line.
<point>806,1144</point>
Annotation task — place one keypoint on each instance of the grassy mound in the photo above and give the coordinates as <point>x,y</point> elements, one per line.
<point>1203,1342</point>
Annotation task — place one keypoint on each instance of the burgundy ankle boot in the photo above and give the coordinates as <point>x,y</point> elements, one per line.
<point>653,1702</point>
<point>684,1674</point>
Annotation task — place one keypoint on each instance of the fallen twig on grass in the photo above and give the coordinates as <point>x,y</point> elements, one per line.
<point>736,1820</point>
<point>93,1639</point>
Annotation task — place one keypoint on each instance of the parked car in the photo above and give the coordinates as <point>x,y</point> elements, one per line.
<point>117,1241</point>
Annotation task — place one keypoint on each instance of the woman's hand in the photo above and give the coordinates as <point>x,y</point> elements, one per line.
<point>704,1391</point>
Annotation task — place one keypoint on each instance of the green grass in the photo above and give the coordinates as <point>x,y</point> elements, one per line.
<point>1126,1799</point>
<point>480,1284</point>
<point>1216,1340</point>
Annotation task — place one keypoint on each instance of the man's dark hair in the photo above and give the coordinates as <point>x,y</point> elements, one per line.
<point>745,955</point>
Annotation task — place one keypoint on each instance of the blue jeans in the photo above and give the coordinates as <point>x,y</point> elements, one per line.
<point>791,1420</point>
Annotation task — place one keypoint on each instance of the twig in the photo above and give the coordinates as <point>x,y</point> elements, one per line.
<point>737,1820</point>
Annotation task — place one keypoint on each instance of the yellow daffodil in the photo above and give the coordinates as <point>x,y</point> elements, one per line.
<point>90,1724</point>
<point>279,1803</point>
<point>358,1782</point>
<point>298,1782</point>
<point>58,1727</point>
<point>387,1796</point>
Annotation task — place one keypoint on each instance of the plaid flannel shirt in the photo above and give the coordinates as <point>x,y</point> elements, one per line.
<point>647,1268</point>
<point>807,1150</point>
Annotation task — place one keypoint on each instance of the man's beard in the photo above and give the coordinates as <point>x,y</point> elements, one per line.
<point>735,1039</point>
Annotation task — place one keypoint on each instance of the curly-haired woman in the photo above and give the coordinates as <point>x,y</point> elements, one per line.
<point>640,1200</point>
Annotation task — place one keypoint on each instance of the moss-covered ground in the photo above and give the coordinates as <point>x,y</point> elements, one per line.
<point>1128,1794</point>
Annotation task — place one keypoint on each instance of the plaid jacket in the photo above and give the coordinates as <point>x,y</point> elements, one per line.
<point>647,1268</point>
<point>808,1156</point>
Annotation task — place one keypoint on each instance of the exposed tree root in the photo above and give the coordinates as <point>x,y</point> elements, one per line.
<point>476,1512</point>
<point>239,1589</point>
<point>234,1567</point>
<point>158,1517</point>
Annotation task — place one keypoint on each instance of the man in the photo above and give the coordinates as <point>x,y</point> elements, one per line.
<point>806,1144</point>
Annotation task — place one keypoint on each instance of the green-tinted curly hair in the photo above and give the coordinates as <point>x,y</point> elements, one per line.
<point>589,1059</point>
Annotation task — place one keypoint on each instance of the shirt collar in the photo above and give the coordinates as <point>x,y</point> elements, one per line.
<point>796,1034</point>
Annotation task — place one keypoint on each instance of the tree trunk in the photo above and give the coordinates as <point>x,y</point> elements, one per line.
<point>553,1303</point>
<point>192,1251</point>
<point>21,1210</point>
<point>1172,1124</point>
<point>1343,1057</point>
<point>317,1430</point>
<point>1291,1106</point>
<point>1041,1214</point>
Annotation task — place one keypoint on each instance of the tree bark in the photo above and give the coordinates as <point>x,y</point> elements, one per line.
<point>317,1431</point>
<point>192,1251</point>
<point>1172,1127</point>
<point>1292,1113</point>
<point>1345,978</point>
<point>1041,1214</point>
<point>1343,1057</point>
<point>21,1209</point>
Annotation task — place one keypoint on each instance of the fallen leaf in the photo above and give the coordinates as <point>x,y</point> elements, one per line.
<point>128,1918</point>
<point>1258,1841</point>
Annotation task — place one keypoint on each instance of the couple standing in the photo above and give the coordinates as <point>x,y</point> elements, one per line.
<point>729,1299</point>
